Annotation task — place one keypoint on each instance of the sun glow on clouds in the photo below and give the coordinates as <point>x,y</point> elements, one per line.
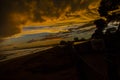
<point>21,13</point>
<point>46,16</point>
<point>40,18</point>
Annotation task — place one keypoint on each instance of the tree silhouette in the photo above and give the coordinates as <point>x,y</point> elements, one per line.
<point>109,9</point>
<point>100,25</point>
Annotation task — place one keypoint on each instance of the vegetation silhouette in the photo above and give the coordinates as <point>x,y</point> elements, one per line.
<point>80,59</point>
<point>100,25</point>
<point>110,10</point>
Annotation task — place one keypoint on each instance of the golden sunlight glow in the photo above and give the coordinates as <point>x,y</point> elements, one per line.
<point>54,17</point>
<point>24,19</point>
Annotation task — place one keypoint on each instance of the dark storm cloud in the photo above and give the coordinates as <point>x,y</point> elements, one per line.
<point>13,13</point>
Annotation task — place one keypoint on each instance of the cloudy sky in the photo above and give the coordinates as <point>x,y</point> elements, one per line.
<point>26,21</point>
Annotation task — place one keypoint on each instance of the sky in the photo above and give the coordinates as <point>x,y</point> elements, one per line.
<point>30,23</point>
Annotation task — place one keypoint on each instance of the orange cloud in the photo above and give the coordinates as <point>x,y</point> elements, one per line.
<point>17,13</point>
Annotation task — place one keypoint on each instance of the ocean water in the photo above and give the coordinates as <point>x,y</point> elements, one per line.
<point>7,55</point>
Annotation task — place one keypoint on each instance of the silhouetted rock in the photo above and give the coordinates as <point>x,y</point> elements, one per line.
<point>82,39</point>
<point>76,39</point>
<point>63,42</point>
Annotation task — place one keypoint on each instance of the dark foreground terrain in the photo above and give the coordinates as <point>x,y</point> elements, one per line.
<point>58,63</point>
